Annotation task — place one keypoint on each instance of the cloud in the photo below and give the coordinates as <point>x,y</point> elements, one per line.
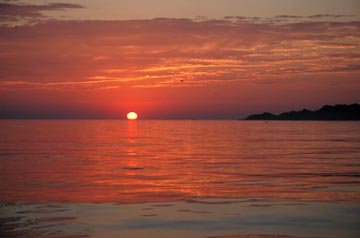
<point>29,10</point>
<point>289,16</point>
<point>329,16</point>
<point>20,12</point>
<point>317,16</point>
<point>167,52</point>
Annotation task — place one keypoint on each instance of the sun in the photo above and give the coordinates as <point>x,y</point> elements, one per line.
<point>132,116</point>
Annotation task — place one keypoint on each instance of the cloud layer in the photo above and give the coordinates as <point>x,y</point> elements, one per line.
<point>173,52</point>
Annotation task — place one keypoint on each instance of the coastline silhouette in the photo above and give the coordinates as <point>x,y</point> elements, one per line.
<point>340,112</point>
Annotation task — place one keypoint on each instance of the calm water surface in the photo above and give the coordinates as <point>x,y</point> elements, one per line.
<point>228,179</point>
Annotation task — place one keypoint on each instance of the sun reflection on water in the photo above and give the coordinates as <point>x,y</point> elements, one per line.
<point>151,161</point>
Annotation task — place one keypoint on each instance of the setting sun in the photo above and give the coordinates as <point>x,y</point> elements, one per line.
<point>132,116</point>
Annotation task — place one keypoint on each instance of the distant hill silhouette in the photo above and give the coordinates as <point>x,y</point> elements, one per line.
<point>326,113</point>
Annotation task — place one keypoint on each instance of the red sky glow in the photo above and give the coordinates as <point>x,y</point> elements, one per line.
<point>173,67</point>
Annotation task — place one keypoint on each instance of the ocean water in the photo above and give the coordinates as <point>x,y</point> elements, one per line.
<point>196,179</point>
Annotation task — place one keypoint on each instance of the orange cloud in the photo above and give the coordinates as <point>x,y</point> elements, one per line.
<point>120,51</point>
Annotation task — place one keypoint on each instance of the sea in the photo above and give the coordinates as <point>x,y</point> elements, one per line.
<point>179,179</point>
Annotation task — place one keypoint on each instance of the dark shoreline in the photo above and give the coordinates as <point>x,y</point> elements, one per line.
<point>326,113</point>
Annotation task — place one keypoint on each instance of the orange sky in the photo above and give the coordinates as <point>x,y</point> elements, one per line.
<point>200,67</point>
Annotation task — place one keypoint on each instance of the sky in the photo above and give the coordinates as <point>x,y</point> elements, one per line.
<point>199,59</point>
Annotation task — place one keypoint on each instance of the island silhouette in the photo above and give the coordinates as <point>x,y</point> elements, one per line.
<point>340,112</point>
